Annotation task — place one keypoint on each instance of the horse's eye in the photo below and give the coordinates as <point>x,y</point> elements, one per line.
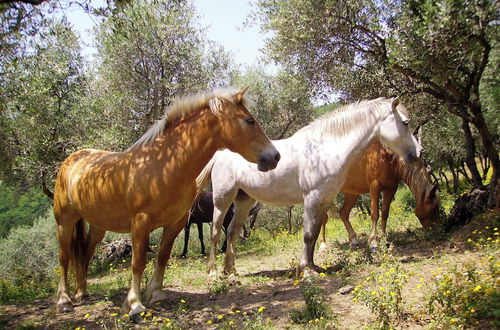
<point>250,121</point>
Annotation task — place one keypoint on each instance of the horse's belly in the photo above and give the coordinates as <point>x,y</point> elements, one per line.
<point>274,196</point>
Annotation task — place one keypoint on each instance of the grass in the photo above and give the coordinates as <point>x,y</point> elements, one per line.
<point>400,286</point>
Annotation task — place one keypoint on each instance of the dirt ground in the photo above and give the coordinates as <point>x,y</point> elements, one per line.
<point>262,282</point>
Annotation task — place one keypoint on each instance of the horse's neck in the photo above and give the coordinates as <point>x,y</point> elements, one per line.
<point>187,143</point>
<point>414,175</point>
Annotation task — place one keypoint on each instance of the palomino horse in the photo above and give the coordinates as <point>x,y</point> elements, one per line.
<point>202,212</point>
<point>380,170</point>
<point>313,167</point>
<point>149,185</point>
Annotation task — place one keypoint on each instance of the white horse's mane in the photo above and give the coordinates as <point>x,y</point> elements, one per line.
<point>187,104</point>
<point>358,114</point>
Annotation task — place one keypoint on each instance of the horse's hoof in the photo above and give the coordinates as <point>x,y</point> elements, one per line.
<point>65,308</point>
<point>82,299</point>
<point>322,247</point>
<point>182,256</point>
<point>157,297</point>
<point>135,314</point>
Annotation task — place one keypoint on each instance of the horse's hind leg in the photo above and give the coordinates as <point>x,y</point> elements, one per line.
<point>65,227</point>
<point>154,291</point>
<point>222,201</point>
<point>95,236</point>
<point>242,206</point>
<point>140,234</point>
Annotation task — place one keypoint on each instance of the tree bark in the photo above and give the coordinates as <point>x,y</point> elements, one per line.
<point>470,153</point>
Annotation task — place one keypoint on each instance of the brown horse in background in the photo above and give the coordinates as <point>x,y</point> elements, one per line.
<point>149,185</point>
<point>380,170</point>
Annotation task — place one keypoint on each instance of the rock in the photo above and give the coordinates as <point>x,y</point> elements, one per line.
<point>346,289</point>
<point>116,250</point>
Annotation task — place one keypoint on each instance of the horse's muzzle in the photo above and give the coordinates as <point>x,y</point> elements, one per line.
<point>268,160</point>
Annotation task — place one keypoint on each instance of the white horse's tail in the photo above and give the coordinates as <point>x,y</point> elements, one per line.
<point>204,177</point>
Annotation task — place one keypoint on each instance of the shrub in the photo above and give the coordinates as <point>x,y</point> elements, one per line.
<point>29,260</point>
<point>382,293</point>
<point>316,306</point>
<point>467,296</point>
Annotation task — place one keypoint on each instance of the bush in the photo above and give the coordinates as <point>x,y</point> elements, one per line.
<point>29,260</point>
<point>20,210</point>
<point>316,306</point>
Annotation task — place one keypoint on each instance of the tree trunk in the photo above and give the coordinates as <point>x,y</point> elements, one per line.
<point>447,182</point>
<point>491,151</point>
<point>470,153</point>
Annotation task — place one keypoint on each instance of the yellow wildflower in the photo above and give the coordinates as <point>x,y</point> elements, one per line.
<point>209,322</point>
<point>261,309</point>
<point>220,316</point>
<point>86,316</point>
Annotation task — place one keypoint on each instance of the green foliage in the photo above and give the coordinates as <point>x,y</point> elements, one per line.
<point>41,114</point>
<point>282,100</point>
<point>382,293</point>
<point>28,261</point>
<point>16,211</point>
<point>316,306</point>
<point>152,52</point>
<point>434,52</point>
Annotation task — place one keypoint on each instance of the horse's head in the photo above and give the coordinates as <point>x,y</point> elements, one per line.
<point>241,133</point>
<point>428,206</point>
<point>396,135</point>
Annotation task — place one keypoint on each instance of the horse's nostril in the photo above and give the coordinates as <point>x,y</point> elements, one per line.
<point>277,157</point>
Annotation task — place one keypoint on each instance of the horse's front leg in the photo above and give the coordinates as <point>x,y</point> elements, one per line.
<point>200,237</point>
<point>386,205</point>
<point>154,291</point>
<point>140,234</point>
<point>315,215</point>
<point>374,198</point>
<point>221,205</point>
<point>241,208</point>
<point>187,229</point>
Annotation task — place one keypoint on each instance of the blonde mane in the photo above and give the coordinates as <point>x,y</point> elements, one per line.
<point>360,114</point>
<point>188,104</point>
<point>414,174</point>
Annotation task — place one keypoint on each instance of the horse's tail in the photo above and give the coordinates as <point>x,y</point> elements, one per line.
<point>204,177</point>
<point>79,248</point>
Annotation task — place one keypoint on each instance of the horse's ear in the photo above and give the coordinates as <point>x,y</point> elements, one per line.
<point>239,96</point>
<point>395,102</point>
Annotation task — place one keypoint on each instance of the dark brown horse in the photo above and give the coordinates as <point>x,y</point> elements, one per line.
<point>380,170</point>
<point>202,212</point>
<point>149,185</point>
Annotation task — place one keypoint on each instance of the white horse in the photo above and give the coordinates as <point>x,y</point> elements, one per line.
<point>313,166</point>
